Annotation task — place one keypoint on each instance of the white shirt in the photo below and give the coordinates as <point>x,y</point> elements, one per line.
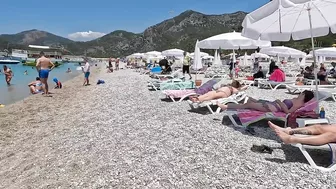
<point>87,67</point>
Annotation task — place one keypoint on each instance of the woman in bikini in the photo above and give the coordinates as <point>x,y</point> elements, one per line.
<point>8,74</point>
<point>286,106</point>
<point>222,92</point>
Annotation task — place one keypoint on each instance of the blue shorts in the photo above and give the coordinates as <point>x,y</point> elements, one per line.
<point>87,74</point>
<point>44,74</point>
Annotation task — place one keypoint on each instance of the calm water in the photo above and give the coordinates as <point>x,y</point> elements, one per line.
<point>19,84</point>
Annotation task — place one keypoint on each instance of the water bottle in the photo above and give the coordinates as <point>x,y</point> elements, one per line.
<point>322,113</point>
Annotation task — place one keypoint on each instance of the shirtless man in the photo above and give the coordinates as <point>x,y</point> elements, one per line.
<point>42,66</point>
<point>8,74</point>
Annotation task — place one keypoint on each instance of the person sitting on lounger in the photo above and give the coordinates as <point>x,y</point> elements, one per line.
<point>286,106</point>
<point>222,92</point>
<point>278,75</point>
<point>320,134</point>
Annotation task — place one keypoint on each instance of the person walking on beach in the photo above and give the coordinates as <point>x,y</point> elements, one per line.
<point>44,66</point>
<point>8,74</point>
<point>86,71</point>
<point>186,64</point>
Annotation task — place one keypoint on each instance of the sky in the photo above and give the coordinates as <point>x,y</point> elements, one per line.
<point>83,20</point>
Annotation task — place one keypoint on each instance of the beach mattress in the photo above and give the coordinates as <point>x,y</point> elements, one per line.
<point>179,93</point>
<point>177,85</point>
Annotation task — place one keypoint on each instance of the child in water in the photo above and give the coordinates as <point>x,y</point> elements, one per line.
<point>58,84</point>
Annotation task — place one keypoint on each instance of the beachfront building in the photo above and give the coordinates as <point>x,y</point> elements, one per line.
<point>18,53</point>
<point>55,54</point>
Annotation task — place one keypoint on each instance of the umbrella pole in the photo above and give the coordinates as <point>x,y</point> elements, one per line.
<point>314,60</point>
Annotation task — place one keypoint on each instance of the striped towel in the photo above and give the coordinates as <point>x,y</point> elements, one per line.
<point>332,147</point>
<point>178,93</point>
<point>248,117</point>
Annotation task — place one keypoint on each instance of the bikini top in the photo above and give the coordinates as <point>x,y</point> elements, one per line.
<point>288,103</point>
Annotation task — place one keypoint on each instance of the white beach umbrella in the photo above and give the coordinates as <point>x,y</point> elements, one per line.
<point>208,57</point>
<point>197,60</point>
<point>153,54</point>
<point>325,52</point>
<point>259,55</point>
<point>234,57</point>
<point>233,40</point>
<point>283,51</point>
<point>173,52</point>
<point>215,62</point>
<point>201,53</point>
<point>282,20</point>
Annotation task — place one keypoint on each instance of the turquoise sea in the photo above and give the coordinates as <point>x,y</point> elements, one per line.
<point>19,90</point>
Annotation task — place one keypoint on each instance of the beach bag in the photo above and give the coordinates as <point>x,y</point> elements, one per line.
<point>100,82</point>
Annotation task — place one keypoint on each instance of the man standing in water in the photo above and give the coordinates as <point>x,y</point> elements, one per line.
<point>86,71</point>
<point>44,66</point>
<point>8,74</point>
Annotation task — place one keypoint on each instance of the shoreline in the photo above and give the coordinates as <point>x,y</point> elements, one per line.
<point>51,85</point>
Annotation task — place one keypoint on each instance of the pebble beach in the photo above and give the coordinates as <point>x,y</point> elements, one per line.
<point>122,135</point>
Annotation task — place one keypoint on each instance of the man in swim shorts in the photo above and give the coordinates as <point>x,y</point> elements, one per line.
<point>86,71</point>
<point>44,66</point>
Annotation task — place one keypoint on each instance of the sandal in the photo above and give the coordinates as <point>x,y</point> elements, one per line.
<point>262,149</point>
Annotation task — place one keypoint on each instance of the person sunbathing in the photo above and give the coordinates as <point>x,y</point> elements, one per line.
<point>286,106</point>
<point>319,134</point>
<point>222,92</point>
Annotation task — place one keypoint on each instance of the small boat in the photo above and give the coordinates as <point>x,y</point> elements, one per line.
<point>8,60</point>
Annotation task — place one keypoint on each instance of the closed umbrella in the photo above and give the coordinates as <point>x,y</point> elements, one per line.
<point>197,60</point>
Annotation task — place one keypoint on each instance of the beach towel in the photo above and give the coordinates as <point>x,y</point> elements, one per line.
<point>178,93</point>
<point>248,117</point>
<point>278,76</point>
<point>307,111</point>
<point>177,85</point>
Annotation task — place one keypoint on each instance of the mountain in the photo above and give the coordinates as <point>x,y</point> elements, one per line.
<point>35,37</point>
<point>180,32</point>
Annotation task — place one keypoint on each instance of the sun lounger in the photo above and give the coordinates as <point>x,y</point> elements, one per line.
<point>235,98</point>
<point>183,94</point>
<point>300,88</point>
<point>169,76</point>
<point>247,116</point>
<point>330,91</point>
<point>327,147</point>
<point>171,84</point>
<point>273,84</point>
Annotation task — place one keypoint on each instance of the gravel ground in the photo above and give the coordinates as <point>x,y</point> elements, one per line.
<point>120,135</point>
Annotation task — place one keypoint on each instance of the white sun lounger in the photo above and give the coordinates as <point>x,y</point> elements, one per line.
<point>331,91</point>
<point>169,76</point>
<point>300,88</point>
<point>236,98</point>
<point>270,115</point>
<point>328,147</point>
<point>273,84</point>
<point>155,83</point>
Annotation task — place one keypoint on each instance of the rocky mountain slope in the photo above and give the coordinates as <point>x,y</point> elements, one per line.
<point>181,32</point>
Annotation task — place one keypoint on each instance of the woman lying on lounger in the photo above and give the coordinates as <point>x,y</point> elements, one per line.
<point>222,92</point>
<point>320,134</point>
<point>286,106</point>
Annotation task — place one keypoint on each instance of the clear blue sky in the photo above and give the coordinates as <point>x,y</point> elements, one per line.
<point>63,17</point>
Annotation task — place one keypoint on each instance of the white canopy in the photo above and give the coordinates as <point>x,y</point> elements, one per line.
<point>282,51</point>
<point>281,20</point>
<point>173,52</point>
<point>259,55</point>
<point>233,40</point>
<point>153,54</point>
<point>137,55</point>
<point>248,57</point>
<point>325,52</point>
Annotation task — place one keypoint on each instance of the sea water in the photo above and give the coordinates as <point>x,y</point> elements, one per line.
<point>19,89</point>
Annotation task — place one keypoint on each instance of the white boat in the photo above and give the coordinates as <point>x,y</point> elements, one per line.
<point>7,60</point>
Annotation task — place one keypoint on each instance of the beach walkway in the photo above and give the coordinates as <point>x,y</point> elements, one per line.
<point>120,135</point>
